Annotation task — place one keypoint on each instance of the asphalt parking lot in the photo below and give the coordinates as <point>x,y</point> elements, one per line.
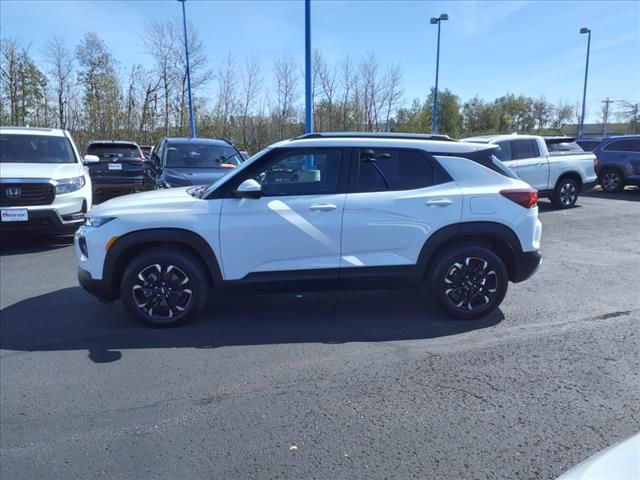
<point>328,386</point>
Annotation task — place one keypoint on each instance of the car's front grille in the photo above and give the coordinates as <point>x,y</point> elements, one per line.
<point>26,194</point>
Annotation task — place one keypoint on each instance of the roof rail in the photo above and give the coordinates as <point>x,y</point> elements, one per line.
<point>393,135</point>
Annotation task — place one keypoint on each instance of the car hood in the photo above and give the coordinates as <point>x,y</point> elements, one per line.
<point>197,176</point>
<point>165,200</point>
<point>54,171</point>
<point>621,461</point>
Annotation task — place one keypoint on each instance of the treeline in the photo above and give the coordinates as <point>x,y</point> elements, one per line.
<point>84,89</point>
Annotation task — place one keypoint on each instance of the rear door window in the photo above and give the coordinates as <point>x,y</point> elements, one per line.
<point>505,153</point>
<point>631,145</point>
<point>383,170</point>
<point>522,149</point>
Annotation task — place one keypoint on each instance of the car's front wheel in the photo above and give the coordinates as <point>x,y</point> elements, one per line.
<point>469,281</point>
<point>164,287</point>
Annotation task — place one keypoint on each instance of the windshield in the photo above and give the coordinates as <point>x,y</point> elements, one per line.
<point>235,172</point>
<point>35,149</point>
<point>189,155</point>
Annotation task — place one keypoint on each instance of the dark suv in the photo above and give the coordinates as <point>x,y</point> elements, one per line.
<point>618,162</point>
<point>121,166</point>
<point>179,162</point>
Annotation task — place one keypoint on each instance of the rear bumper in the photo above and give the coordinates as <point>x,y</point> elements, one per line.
<point>46,221</point>
<point>525,264</point>
<point>118,183</point>
<point>98,288</point>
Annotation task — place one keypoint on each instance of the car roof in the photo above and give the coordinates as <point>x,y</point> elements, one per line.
<point>492,138</point>
<point>383,141</point>
<point>621,137</point>
<point>199,140</point>
<point>50,132</point>
<point>126,142</point>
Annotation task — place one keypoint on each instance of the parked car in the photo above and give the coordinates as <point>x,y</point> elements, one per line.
<point>617,462</point>
<point>325,211</point>
<point>558,175</point>
<point>618,162</point>
<point>121,166</point>
<point>178,162</point>
<point>146,150</point>
<point>44,184</point>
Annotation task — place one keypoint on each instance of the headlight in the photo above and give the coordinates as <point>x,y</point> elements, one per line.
<point>69,185</point>
<point>97,221</point>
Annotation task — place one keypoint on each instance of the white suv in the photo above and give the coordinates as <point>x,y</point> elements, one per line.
<point>321,211</point>
<point>44,184</point>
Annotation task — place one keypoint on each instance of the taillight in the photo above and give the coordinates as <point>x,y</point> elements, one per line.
<point>525,197</point>
<point>595,165</point>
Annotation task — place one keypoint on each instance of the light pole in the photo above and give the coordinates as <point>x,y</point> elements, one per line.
<point>438,21</point>
<point>586,72</point>
<point>308,86</point>
<point>192,121</point>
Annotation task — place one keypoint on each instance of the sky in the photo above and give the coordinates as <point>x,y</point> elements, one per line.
<point>487,48</point>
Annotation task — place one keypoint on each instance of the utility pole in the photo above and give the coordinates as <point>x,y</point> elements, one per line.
<point>437,21</point>
<point>308,85</point>
<point>605,115</point>
<point>192,121</point>
<point>586,73</point>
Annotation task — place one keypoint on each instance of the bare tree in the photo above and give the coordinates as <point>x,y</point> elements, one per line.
<point>227,94</point>
<point>346,82</point>
<point>392,92</point>
<point>9,61</point>
<point>60,61</point>
<point>286,83</point>
<point>160,41</point>
<point>328,84</point>
<point>251,85</point>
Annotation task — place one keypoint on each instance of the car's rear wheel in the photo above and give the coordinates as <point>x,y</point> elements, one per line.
<point>164,287</point>
<point>566,193</point>
<point>611,180</point>
<point>469,281</point>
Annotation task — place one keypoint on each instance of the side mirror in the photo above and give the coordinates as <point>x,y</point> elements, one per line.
<point>91,159</point>
<point>248,189</point>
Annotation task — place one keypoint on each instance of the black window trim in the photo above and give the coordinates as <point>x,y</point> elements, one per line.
<point>227,188</point>
<point>606,149</point>
<point>438,170</point>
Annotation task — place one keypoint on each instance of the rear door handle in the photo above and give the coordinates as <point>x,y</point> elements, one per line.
<point>439,202</point>
<point>323,207</point>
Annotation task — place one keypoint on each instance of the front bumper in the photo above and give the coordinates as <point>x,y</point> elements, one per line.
<point>101,289</point>
<point>525,264</point>
<point>46,221</point>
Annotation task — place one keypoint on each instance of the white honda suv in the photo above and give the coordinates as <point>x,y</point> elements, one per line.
<point>321,211</point>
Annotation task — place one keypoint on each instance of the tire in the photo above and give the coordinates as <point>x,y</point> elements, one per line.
<point>454,291</point>
<point>565,195</point>
<point>611,180</point>
<point>169,281</point>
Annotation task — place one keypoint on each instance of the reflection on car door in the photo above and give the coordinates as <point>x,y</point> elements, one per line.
<point>295,225</point>
<point>400,197</point>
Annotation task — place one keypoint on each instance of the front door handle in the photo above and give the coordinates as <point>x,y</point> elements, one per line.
<point>323,207</point>
<point>439,202</point>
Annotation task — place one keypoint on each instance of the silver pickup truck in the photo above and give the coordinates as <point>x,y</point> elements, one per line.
<point>560,174</point>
